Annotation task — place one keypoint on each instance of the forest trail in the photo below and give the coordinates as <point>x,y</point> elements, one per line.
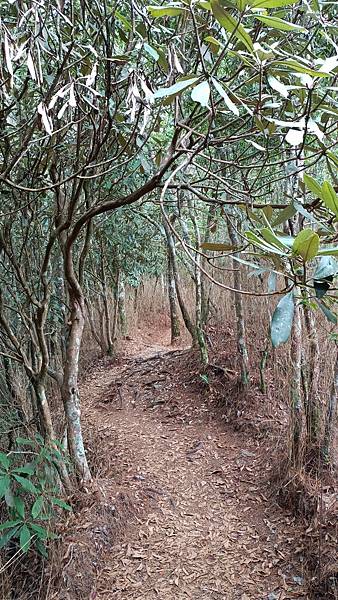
<point>186,512</point>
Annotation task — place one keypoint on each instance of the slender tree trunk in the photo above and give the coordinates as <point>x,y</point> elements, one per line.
<point>240,320</point>
<point>297,425</point>
<point>70,391</point>
<point>116,308</point>
<point>185,315</point>
<point>122,306</point>
<point>109,338</point>
<point>313,406</point>
<point>200,337</point>
<point>174,319</point>
<point>331,416</point>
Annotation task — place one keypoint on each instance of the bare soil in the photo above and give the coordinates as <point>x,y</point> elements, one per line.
<point>181,506</point>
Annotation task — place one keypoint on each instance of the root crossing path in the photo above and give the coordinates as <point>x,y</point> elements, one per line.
<point>180,508</point>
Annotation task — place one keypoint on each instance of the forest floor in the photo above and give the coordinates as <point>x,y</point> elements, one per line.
<point>181,505</point>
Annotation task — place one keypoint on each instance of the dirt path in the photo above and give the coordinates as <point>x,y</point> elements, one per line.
<point>198,523</point>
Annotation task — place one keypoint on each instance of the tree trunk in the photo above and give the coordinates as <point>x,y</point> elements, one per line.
<point>313,406</point>
<point>331,417</point>
<point>171,249</point>
<point>122,306</point>
<point>297,429</point>
<point>174,319</point>
<point>239,311</point>
<point>70,391</point>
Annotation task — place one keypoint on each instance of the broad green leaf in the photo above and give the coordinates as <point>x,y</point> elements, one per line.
<point>176,88</point>
<point>328,251</point>
<point>229,23</point>
<point>327,312</point>
<point>19,506</point>
<point>5,483</point>
<point>277,23</point>
<point>298,67</point>
<point>330,197</point>
<point>7,536</point>
<point>4,461</point>
<point>270,237</point>
<point>271,3</point>
<point>41,532</point>
<point>312,185</point>
<point>284,215</point>
<point>24,441</point>
<point>231,106</point>
<point>25,538</point>
<point>61,504</point>
<point>332,157</point>
<point>37,506</point>
<point>253,238</point>
<point>306,244</point>
<point>8,524</point>
<point>201,93</point>
<point>41,548</point>
<point>151,51</point>
<point>26,484</point>
<point>281,322</point>
<point>27,469</point>
<point>217,247</point>
<point>169,10</point>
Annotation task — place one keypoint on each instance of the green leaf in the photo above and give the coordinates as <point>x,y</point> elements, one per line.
<point>25,538</point>
<point>41,532</point>
<point>284,215</point>
<point>19,506</point>
<point>277,23</point>
<point>231,106</point>
<point>24,441</point>
<point>306,244</point>
<point>151,51</point>
<point>8,524</point>
<point>327,312</point>
<point>271,238</point>
<point>26,484</point>
<point>313,185</point>
<point>201,93</point>
<point>27,469</point>
<point>5,483</point>
<point>41,548</point>
<point>272,3</point>
<point>4,461</point>
<point>62,504</point>
<point>232,25</point>
<point>330,197</point>
<point>176,88</point>
<point>281,322</point>
<point>37,506</point>
<point>298,67</point>
<point>328,251</point>
<point>7,536</point>
<point>169,10</point>
<point>253,238</point>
